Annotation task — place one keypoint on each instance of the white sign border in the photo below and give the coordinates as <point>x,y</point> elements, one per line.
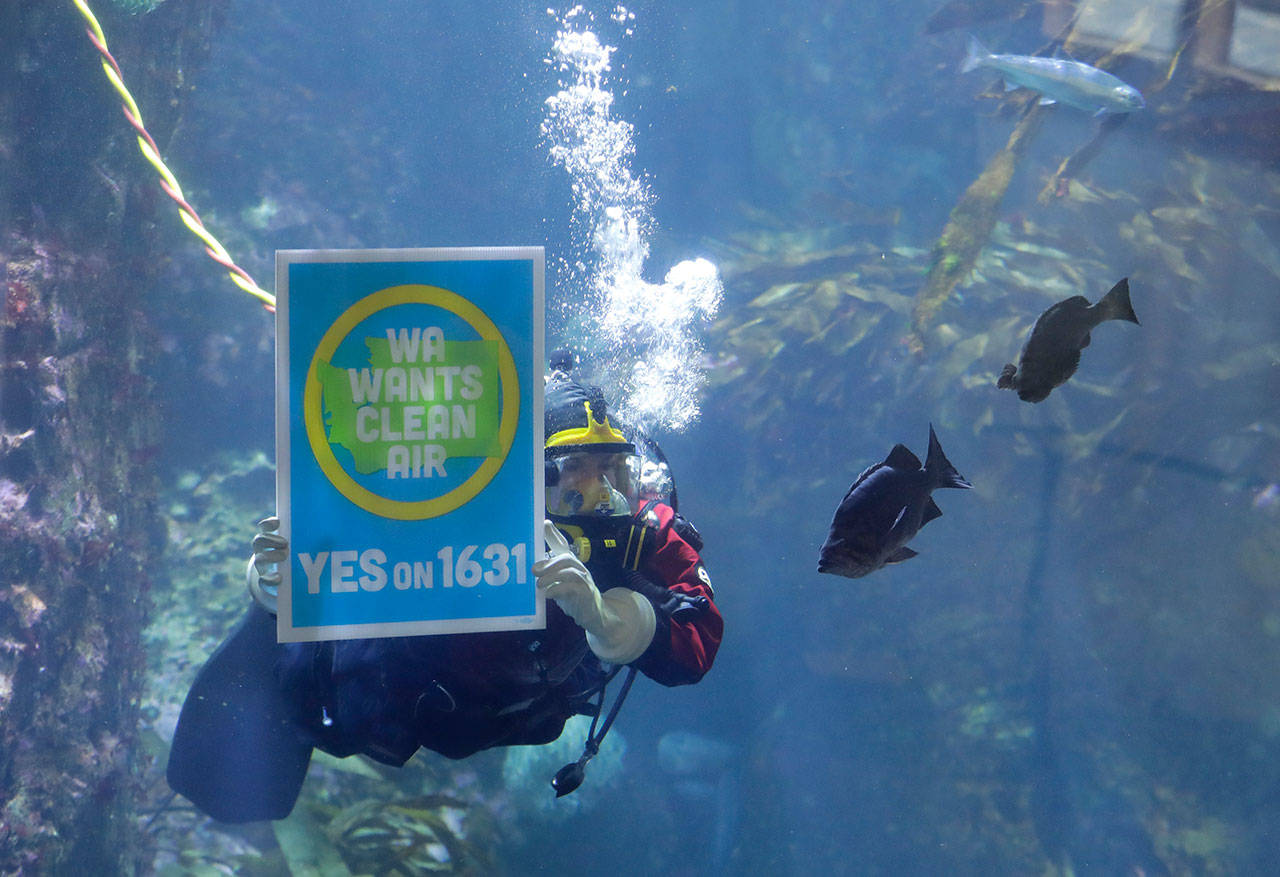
<point>285,631</point>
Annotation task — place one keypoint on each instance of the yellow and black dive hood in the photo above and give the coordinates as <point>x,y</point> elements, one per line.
<point>577,420</point>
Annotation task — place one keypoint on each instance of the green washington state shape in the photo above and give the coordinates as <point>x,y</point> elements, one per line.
<point>431,403</point>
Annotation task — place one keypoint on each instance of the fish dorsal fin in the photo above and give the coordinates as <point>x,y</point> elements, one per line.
<point>901,458</point>
<point>863,477</point>
<point>931,511</point>
<point>903,553</point>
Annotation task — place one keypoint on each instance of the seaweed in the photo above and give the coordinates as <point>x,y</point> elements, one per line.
<point>419,835</point>
<point>969,227</point>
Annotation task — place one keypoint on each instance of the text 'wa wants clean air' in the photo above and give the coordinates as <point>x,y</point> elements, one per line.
<point>419,401</point>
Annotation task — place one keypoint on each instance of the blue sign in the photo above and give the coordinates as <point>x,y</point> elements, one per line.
<point>409,473</point>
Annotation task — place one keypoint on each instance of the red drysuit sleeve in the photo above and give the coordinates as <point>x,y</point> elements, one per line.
<point>689,624</point>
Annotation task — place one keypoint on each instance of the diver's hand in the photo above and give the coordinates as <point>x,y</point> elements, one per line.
<point>562,577</point>
<point>270,549</point>
<point>619,623</point>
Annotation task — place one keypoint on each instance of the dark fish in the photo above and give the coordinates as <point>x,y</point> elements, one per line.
<point>1052,353</point>
<point>884,509</point>
<point>967,13</point>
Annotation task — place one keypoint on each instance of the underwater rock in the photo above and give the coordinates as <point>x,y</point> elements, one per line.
<point>77,528</point>
<point>688,753</point>
<point>79,436</point>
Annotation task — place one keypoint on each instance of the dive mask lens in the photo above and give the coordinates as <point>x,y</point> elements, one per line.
<point>591,484</point>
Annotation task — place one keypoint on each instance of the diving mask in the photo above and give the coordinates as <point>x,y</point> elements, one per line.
<point>591,484</point>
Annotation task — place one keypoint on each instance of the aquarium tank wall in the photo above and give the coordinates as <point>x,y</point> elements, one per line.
<point>949,326</point>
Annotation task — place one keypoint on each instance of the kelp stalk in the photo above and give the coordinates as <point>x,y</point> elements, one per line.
<point>969,227</point>
<point>1074,163</point>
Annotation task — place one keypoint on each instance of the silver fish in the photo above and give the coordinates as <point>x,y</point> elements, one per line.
<point>1058,80</point>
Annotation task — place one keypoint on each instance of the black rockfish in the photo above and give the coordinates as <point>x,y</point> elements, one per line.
<point>1052,353</point>
<point>884,509</point>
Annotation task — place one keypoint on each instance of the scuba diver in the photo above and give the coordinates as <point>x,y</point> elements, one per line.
<point>625,587</point>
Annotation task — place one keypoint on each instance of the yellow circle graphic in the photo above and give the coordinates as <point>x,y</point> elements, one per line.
<point>313,416</point>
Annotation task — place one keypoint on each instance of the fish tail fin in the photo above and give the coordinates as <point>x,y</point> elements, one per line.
<point>1115,304</point>
<point>941,472</point>
<point>1005,381</point>
<point>977,53</point>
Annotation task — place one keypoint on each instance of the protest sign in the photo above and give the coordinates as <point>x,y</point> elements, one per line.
<point>409,440</point>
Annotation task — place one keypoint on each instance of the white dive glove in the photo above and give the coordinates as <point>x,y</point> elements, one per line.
<point>619,623</point>
<point>270,550</point>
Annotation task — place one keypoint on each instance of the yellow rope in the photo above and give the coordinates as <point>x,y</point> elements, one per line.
<point>169,182</point>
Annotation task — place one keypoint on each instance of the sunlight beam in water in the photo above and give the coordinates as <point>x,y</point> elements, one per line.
<point>645,336</point>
